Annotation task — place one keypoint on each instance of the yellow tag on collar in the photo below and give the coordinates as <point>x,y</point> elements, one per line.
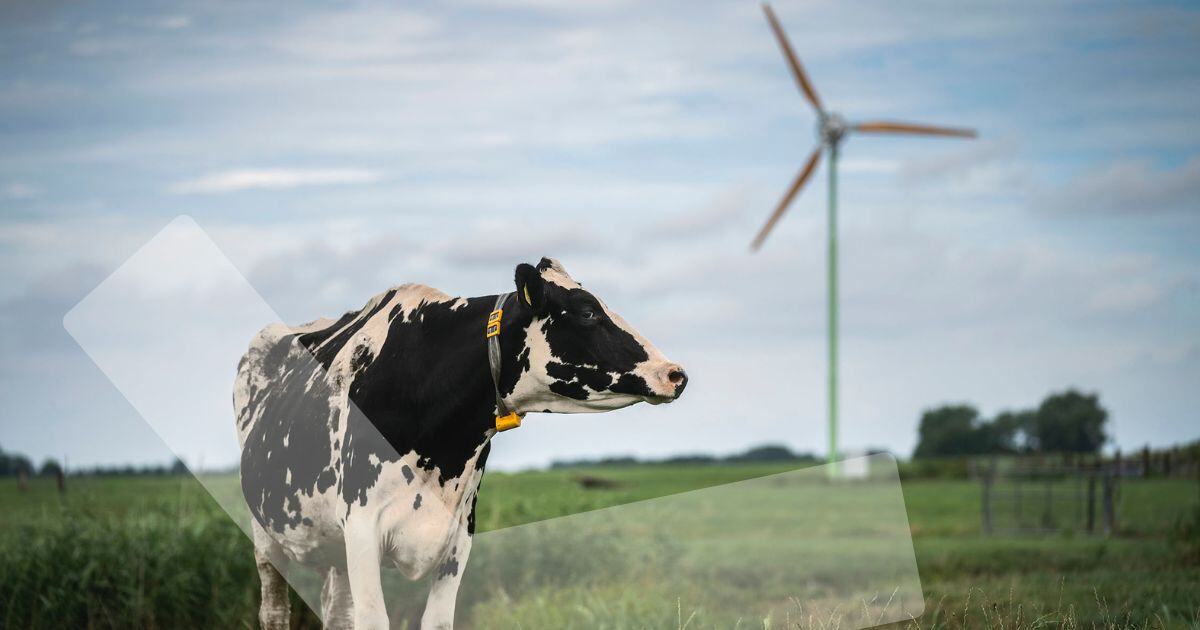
<point>525,290</point>
<point>493,324</point>
<point>511,421</point>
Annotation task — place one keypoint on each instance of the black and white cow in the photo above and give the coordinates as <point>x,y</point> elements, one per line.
<point>364,439</point>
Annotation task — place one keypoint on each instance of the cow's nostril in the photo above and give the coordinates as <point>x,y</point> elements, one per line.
<point>677,377</point>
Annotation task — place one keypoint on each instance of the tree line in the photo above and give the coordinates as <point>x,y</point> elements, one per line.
<point>1064,422</point>
<point>16,465</point>
<point>757,454</point>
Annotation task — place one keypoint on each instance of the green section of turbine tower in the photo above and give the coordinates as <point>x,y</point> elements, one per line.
<point>832,285</point>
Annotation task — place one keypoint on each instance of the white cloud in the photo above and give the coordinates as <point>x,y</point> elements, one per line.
<point>868,166</point>
<point>97,46</point>
<point>23,93</point>
<point>972,156</point>
<point>171,22</point>
<point>726,209</point>
<point>1128,298</point>
<point>552,6</point>
<point>271,178</point>
<point>356,36</point>
<point>18,191</point>
<point>1129,187</point>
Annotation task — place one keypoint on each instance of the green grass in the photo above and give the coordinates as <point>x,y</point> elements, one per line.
<point>159,553</point>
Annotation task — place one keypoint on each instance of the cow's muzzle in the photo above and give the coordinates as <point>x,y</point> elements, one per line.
<point>677,377</point>
<point>666,383</point>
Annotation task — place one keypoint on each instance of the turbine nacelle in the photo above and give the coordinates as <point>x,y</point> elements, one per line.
<point>831,128</point>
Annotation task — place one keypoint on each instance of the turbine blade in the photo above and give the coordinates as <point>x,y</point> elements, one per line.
<point>884,126</point>
<point>794,63</point>
<point>797,184</point>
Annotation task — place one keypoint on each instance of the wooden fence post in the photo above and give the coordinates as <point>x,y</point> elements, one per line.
<point>1110,508</point>
<point>1048,508</point>
<point>989,477</point>
<point>1091,504</point>
<point>1018,484</point>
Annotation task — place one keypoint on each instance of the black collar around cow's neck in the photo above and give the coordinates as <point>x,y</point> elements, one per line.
<point>505,418</point>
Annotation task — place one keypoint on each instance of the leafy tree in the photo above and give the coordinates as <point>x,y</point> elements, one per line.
<point>19,464</point>
<point>1070,422</point>
<point>764,453</point>
<point>50,468</point>
<point>1014,431</point>
<point>950,430</point>
<point>12,464</point>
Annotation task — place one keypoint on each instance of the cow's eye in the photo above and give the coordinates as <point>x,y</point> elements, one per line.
<point>587,313</point>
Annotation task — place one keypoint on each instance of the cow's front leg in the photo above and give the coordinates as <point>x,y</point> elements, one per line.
<point>362,568</point>
<point>274,611</point>
<point>439,608</point>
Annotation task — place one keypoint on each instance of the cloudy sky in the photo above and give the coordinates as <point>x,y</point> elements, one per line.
<point>333,150</point>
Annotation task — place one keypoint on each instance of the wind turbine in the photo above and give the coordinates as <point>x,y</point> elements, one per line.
<point>832,130</point>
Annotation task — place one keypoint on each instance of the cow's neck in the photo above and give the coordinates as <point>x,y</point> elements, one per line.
<point>441,403</point>
<point>514,353</point>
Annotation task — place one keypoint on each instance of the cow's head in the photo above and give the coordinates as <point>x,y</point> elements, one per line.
<point>579,355</point>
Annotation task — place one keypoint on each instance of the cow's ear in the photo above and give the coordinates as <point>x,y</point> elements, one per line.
<point>531,288</point>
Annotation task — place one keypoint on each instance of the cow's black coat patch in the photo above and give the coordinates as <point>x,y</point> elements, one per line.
<point>448,568</point>
<point>591,377</point>
<point>632,384</point>
<point>471,514</point>
<point>570,390</point>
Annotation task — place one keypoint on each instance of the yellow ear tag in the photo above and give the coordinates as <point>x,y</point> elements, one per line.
<point>525,290</point>
<point>511,421</point>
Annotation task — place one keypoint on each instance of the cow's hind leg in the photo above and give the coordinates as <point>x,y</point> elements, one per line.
<point>274,613</point>
<point>337,606</point>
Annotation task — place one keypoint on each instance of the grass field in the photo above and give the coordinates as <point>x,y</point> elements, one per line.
<point>158,552</point>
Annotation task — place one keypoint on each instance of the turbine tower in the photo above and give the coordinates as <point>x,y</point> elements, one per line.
<point>832,130</point>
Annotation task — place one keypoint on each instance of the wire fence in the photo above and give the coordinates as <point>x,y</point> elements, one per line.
<point>1042,494</point>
